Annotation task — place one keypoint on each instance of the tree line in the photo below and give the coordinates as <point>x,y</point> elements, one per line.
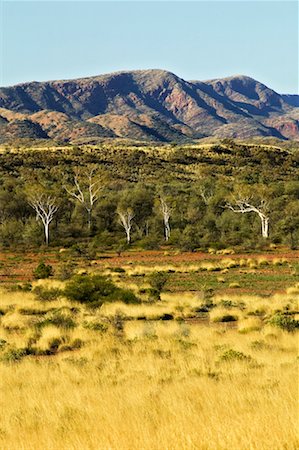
<point>88,206</point>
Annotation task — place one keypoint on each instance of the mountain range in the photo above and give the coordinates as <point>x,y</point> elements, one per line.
<point>146,105</point>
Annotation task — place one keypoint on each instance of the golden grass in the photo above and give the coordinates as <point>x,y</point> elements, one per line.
<point>156,385</point>
<point>218,313</point>
<point>209,265</point>
<point>155,393</point>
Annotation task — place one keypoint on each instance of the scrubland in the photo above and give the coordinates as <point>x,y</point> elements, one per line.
<point>210,368</point>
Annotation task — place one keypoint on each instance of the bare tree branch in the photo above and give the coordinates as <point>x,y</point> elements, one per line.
<point>206,195</point>
<point>125,219</point>
<point>243,205</point>
<point>45,207</point>
<point>88,196</point>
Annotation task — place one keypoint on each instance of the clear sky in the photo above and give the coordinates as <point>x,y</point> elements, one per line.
<point>200,40</point>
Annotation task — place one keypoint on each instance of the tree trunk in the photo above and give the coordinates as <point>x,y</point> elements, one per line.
<point>47,233</point>
<point>89,219</point>
<point>167,231</point>
<point>265,227</point>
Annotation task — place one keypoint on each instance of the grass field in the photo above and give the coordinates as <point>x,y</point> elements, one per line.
<point>212,365</point>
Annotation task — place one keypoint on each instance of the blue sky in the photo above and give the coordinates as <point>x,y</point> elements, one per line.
<point>196,40</point>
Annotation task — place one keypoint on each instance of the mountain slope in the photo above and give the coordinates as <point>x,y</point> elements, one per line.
<point>150,105</point>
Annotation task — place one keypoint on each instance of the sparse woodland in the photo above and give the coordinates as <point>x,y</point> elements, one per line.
<point>109,196</point>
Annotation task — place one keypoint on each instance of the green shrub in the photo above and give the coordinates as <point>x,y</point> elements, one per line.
<point>205,306</point>
<point>66,271</point>
<point>54,345</point>
<point>118,270</point>
<point>73,345</point>
<point>118,323</point>
<point>121,247</point>
<point>230,304</point>
<point>284,322</point>
<point>225,318</point>
<point>3,343</point>
<point>158,280</point>
<point>153,295</point>
<point>58,319</point>
<point>89,289</point>
<point>149,243</point>
<point>166,316</point>
<point>126,296</point>
<point>43,271</point>
<point>233,355</point>
<point>94,290</point>
<point>13,355</point>
<point>96,326</point>
<point>25,287</point>
<point>47,295</point>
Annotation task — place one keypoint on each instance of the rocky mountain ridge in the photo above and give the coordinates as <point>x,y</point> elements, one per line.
<point>146,105</point>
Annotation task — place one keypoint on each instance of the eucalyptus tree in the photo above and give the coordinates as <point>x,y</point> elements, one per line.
<point>45,207</point>
<point>166,213</point>
<point>85,190</point>
<point>125,219</point>
<point>243,206</point>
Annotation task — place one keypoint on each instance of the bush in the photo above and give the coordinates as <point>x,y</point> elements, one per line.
<point>166,316</point>
<point>157,281</point>
<point>153,295</point>
<point>89,289</point>
<point>54,345</point>
<point>118,323</point>
<point>96,289</point>
<point>73,345</point>
<point>47,295</point>
<point>118,270</point>
<point>96,326</point>
<point>25,287</point>
<point>43,271</point>
<point>121,247</point>
<point>11,232</point>
<point>225,318</point>
<point>58,319</point>
<point>189,240</point>
<point>284,322</point>
<point>233,355</point>
<point>66,271</point>
<point>13,355</point>
<point>126,296</point>
<point>149,243</point>
<point>3,343</point>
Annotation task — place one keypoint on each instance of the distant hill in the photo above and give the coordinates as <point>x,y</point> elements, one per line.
<point>146,105</point>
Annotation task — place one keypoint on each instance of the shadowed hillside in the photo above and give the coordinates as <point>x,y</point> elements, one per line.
<point>147,105</point>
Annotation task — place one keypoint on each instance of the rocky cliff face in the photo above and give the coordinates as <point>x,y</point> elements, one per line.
<point>146,105</point>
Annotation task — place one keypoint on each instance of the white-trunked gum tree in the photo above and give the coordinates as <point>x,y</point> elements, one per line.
<point>166,212</point>
<point>45,207</point>
<point>125,219</point>
<point>244,205</point>
<point>85,190</point>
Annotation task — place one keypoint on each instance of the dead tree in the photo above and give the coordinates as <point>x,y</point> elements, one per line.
<point>206,195</point>
<point>243,206</point>
<point>166,211</point>
<point>85,192</point>
<point>45,207</point>
<point>125,219</point>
